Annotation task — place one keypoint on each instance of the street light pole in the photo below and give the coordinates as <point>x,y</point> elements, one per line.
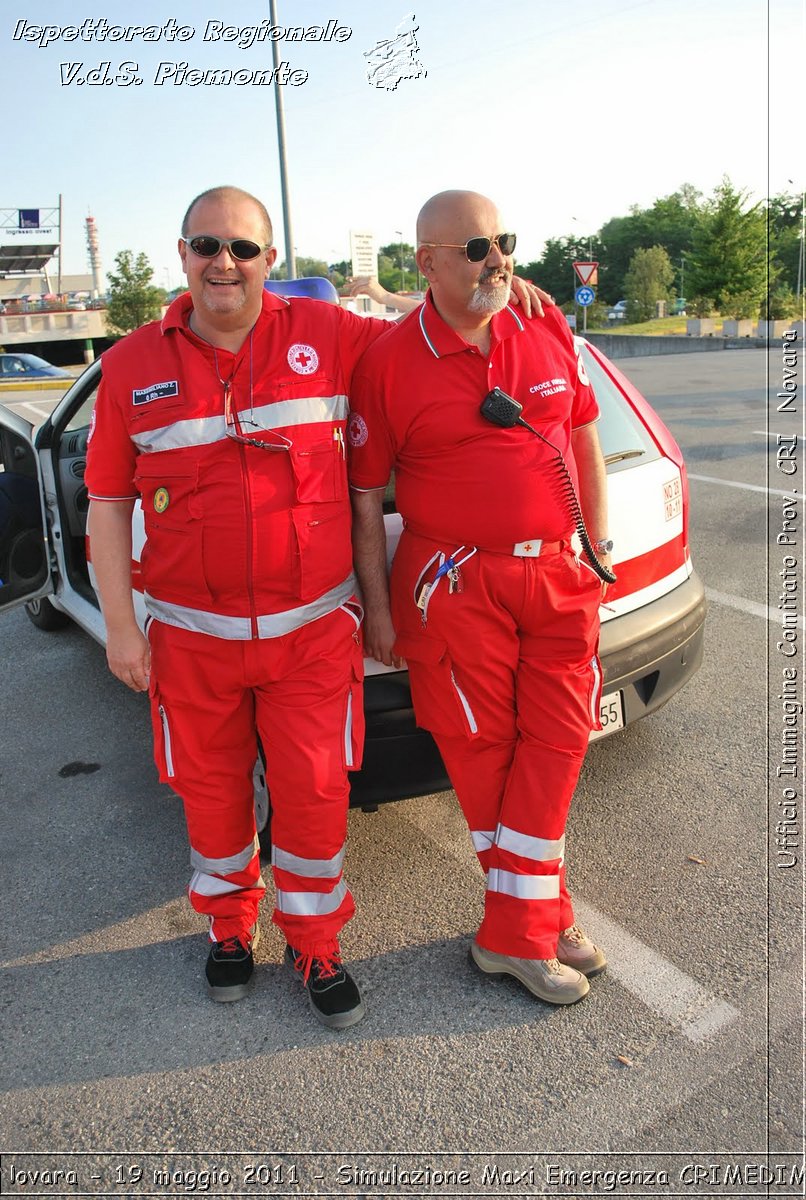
<point>399,233</point>
<point>290,255</point>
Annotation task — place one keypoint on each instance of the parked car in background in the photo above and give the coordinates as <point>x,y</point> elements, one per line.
<point>618,312</point>
<point>652,622</point>
<point>21,367</point>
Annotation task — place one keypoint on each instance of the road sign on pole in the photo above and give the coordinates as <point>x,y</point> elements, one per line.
<point>587,272</point>
<point>584,296</point>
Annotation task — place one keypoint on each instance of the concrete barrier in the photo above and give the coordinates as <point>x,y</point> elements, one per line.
<point>629,345</point>
<point>21,329</point>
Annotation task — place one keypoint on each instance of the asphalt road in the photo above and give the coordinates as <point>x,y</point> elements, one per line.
<point>686,1055</point>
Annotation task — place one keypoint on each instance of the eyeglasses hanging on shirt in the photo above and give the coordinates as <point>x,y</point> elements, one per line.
<point>234,421</point>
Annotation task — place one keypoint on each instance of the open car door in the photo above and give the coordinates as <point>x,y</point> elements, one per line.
<point>25,553</point>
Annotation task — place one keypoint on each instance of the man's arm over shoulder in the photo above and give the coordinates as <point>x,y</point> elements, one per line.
<point>356,334</point>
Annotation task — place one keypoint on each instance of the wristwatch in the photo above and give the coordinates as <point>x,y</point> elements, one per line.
<point>603,546</point>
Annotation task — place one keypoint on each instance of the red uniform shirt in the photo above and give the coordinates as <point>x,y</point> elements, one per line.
<point>232,529</point>
<point>415,407</point>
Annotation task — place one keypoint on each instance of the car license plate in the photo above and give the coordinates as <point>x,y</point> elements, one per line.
<point>611,715</point>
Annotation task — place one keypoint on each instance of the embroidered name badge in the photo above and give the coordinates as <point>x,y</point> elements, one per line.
<point>303,359</point>
<point>155,391</point>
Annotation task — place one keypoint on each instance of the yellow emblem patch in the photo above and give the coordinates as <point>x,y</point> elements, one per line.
<point>161,500</point>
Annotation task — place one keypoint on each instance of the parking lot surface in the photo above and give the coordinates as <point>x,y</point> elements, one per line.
<point>686,1053</point>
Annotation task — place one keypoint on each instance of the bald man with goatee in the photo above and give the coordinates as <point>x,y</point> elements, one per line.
<point>490,603</point>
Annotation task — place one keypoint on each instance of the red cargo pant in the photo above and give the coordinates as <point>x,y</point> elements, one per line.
<point>302,693</point>
<point>505,675</point>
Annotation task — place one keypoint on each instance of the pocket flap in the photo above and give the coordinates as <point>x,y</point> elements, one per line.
<point>420,647</point>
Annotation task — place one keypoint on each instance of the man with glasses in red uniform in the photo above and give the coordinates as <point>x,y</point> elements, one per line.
<point>492,608</point>
<point>227,419</point>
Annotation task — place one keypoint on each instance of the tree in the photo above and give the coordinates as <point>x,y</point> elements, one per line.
<point>671,222</point>
<point>728,263</point>
<point>554,271</point>
<point>397,270</point>
<point>649,279</point>
<point>133,299</point>
<point>785,231</point>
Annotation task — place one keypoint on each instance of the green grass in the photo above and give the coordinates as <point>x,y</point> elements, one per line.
<point>663,326</point>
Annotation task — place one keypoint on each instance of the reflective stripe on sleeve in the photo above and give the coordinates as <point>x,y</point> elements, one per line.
<point>311,904</point>
<point>203,431</point>
<point>240,628</point>
<point>225,866</point>
<point>523,887</point>
<point>538,849</point>
<point>310,868</point>
<point>210,885</point>
<point>483,839</point>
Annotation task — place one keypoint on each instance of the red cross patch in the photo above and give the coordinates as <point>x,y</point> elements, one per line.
<point>303,359</point>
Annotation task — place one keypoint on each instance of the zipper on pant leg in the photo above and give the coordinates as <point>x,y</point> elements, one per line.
<point>166,741</point>
<point>468,711</point>
<point>596,693</point>
<point>348,732</point>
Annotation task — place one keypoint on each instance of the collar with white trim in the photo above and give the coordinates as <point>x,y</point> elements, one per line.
<point>441,338</point>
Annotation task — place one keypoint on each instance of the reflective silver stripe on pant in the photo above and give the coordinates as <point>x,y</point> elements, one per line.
<point>524,887</point>
<point>348,732</point>
<point>597,690</point>
<point>225,866</point>
<point>239,629</point>
<point>210,885</point>
<point>310,868</point>
<point>538,849</point>
<point>166,738</point>
<point>203,431</point>
<point>311,904</point>
<point>482,839</point>
<point>471,720</point>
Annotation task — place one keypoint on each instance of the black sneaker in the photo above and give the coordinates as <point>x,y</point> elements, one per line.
<point>230,965</point>
<point>332,993</point>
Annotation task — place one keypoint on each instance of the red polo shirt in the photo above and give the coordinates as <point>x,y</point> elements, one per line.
<point>415,406</point>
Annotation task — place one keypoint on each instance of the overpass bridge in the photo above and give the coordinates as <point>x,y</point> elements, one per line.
<point>60,337</point>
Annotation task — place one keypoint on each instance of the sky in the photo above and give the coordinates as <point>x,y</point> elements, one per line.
<point>565,114</point>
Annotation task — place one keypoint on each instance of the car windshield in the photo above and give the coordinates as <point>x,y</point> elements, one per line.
<point>623,438</point>
<point>34,361</point>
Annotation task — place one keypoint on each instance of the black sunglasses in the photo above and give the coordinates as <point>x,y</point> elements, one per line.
<point>476,249</point>
<point>207,246</point>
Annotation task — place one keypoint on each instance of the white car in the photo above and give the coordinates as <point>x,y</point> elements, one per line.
<point>652,623</point>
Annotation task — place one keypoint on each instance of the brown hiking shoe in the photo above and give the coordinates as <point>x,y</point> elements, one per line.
<point>546,978</point>
<point>575,949</point>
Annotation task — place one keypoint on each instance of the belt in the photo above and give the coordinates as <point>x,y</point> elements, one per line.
<point>535,547</point>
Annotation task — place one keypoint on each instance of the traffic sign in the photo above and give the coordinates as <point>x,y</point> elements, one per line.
<point>587,272</point>
<point>584,296</point>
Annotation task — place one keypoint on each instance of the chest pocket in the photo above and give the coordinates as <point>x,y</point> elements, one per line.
<point>320,471</point>
<point>170,495</point>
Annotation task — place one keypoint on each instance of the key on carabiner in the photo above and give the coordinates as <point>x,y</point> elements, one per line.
<point>456,583</point>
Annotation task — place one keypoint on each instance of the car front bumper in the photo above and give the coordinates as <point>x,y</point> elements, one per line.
<point>647,655</point>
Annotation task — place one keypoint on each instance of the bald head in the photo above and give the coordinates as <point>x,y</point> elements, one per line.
<point>445,216</point>
<point>466,291</point>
